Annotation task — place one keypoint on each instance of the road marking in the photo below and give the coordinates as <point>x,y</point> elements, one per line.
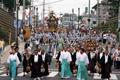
<point>1,71</point>
<point>4,75</point>
<point>52,74</point>
<point>2,67</point>
<point>20,74</point>
<point>54,56</point>
<point>54,69</point>
<point>113,77</point>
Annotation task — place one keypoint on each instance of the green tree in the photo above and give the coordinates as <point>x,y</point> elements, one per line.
<point>11,4</point>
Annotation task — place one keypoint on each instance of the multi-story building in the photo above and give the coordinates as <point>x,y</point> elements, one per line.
<point>93,20</point>
<point>103,11</point>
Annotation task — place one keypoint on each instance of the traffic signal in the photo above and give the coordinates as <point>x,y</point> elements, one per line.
<point>89,20</point>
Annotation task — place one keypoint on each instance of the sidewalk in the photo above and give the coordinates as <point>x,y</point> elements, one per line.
<point>6,52</point>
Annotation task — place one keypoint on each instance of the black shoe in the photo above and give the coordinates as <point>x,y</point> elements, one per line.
<point>23,75</point>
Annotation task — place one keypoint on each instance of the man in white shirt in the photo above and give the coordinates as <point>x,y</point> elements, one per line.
<point>37,43</point>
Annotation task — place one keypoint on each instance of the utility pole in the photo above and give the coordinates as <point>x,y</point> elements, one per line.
<point>43,12</point>
<point>37,17</point>
<point>23,14</point>
<point>72,18</point>
<point>98,13</point>
<point>41,18</point>
<point>78,16</point>
<point>89,16</point>
<point>16,29</point>
<point>34,16</point>
<point>29,14</point>
<point>119,24</point>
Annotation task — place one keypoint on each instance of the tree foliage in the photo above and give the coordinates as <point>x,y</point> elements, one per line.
<point>116,4</point>
<point>11,4</point>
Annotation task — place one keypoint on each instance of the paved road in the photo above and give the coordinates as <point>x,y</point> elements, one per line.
<point>53,73</point>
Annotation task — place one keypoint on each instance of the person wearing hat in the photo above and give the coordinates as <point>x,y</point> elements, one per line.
<point>26,61</point>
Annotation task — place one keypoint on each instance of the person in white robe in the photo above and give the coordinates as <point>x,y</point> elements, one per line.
<point>82,62</point>
<point>13,62</point>
<point>65,59</point>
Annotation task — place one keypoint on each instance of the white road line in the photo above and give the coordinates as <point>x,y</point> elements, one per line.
<point>52,74</point>
<point>4,75</point>
<point>54,69</point>
<point>2,67</point>
<point>113,77</point>
<point>1,71</point>
<point>113,72</point>
<point>20,74</point>
<point>54,56</point>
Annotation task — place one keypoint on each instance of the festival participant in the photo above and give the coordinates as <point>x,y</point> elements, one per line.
<point>50,51</point>
<point>36,62</point>
<point>92,60</point>
<point>73,55</point>
<point>116,58</point>
<point>37,43</point>
<point>26,45</point>
<point>2,44</point>
<point>82,62</point>
<point>65,59</point>
<point>111,50</point>
<point>39,51</point>
<point>26,61</point>
<point>12,48</point>
<point>104,38</point>
<point>45,63</point>
<point>100,54</point>
<point>18,54</point>
<point>57,59</point>
<point>13,62</point>
<point>106,64</point>
<point>60,42</point>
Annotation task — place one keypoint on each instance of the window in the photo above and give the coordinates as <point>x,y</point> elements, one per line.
<point>94,22</point>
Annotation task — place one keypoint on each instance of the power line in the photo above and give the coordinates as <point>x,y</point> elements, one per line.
<point>49,3</point>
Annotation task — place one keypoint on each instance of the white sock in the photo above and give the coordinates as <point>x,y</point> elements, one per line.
<point>12,79</point>
<point>38,78</point>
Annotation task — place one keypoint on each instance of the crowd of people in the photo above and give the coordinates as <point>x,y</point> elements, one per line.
<point>75,58</point>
